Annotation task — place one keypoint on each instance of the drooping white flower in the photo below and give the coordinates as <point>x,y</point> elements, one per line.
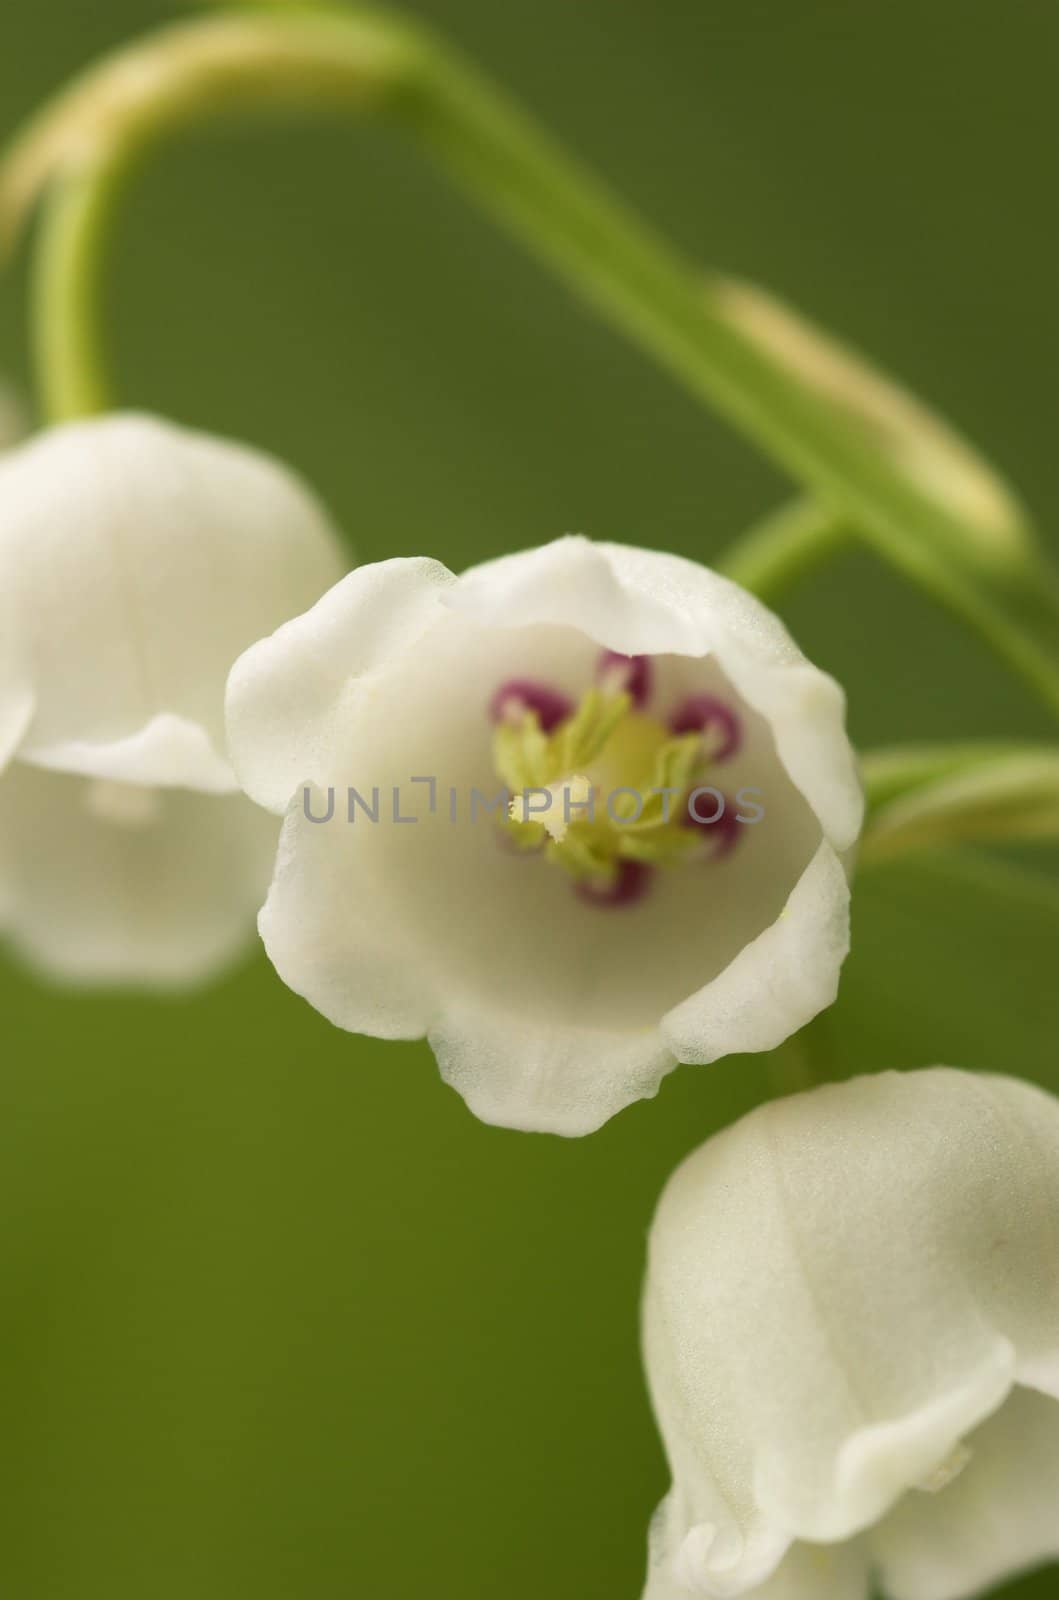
<point>560,966</point>
<point>137,560</point>
<point>851,1335</point>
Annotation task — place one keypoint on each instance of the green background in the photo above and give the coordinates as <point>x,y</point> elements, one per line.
<point>280,1319</point>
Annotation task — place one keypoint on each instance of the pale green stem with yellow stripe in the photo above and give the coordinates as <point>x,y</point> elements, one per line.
<point>371,62</point>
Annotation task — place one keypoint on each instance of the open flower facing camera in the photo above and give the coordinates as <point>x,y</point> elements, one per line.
<point>136,560</point>
<point>851,1333</point>
<point>560,962</point>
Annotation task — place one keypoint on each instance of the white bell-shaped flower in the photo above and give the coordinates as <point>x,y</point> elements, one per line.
<point>137,560</point>
<point>851,1335</point>
<point>629,797</point>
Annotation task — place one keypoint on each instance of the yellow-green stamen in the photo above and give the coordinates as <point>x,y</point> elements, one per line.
<point>607,784</point>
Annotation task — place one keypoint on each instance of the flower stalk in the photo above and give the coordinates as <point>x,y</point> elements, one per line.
<point>370,62</point>
<point>776,552</point>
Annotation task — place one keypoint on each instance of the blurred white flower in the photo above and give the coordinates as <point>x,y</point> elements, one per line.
<point>851,1334</point>
<point>136,561</point>
<point>559,964</point>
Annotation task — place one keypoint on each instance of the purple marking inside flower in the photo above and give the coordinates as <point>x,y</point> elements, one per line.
<point>519,695</point>
<point>630,884</point>
<point>721,831</point>
<point>629,675</point>
<point>716,721</point>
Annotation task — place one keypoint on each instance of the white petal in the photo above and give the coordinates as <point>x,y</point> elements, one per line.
<point>819,1572</point>
<point>16,713</point>
<point>109,883</point>
<point>142,558</point>
<point>289,695</point>
<point>803,1572</point>
<point>643,602</point>
<point>558,1079</point>
<point>693,1550</point>
<point>777,982</point>
<point>998,1518</point>
<point>162,752</point>
<point>840,1288</point>
<point>16,695</point>
<point>16,692</point>
<point>333,937</point>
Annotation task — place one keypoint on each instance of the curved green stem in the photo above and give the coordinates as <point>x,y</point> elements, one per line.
<point>66,330</point>
<point>370,62</point>
<point>783,547</point>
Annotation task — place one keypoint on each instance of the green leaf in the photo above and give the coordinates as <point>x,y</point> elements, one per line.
<point>940,513</point>
<point>920,796</point>
<point>953,960</point>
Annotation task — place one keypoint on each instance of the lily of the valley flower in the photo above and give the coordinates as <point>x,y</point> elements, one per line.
<point>565,950</point>
<point>851,1334</point>
<point>136,561</point>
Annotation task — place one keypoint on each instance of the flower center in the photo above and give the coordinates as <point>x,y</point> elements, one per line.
<point>605,790</point>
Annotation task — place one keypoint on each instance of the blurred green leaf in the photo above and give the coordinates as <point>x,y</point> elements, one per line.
<point>919,796</point>
<point>954,960</point>
<point>961,533</point>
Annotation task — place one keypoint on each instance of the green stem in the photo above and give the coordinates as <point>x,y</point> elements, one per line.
<point>781,549</point>
<point>921,797</point>
<point>66,329</point>
<point>368,61</point>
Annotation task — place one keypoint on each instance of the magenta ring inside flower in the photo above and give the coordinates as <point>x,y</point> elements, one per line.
<point>631,675</point>
<point>549,750</point>
<point>715,819</point>
<point>714,719</point>
<point>631,882</point>
<point>519,695</point>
